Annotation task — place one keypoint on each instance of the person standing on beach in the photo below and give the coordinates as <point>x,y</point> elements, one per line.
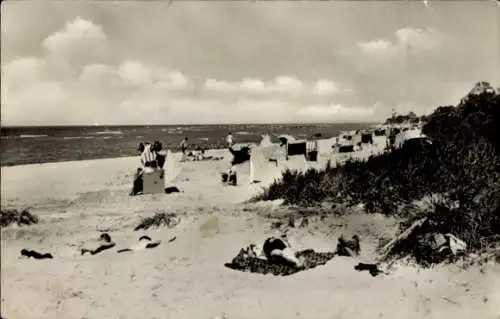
<point>229,140</point>
<point>184,145</point>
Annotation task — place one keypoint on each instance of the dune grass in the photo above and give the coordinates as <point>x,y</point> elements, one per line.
<point>461,162</point>
<point>159,219</point>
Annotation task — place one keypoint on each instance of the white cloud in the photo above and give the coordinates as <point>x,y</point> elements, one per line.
<point>97,74</point>
<point>79,42</point>
<point>178,80</point>
<point>220,86</point>
<point>325,87</point>
<point>376,47</point>
<point>419,39</point>
<point>407,39</point>
<point>287,84</point>
<point>38,103</point>
<point>22,71</point>
<point>279,86</point>
<point>72,85</point>
<point>134,73</point>
<point>329,112</point>
<point>254,85</point>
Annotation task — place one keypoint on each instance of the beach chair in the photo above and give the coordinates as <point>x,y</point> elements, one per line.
<point>153,182</point>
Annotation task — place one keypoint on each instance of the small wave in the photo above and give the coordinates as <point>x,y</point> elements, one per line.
<point>108,132</point>
<point>32,135</point>
<point>243,133</point>
<point>172,130</point>
<point>77,137</point>
<point>204,138</point>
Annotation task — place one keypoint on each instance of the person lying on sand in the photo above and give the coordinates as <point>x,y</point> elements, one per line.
<point>94,247</point>
<point>145,242</point>
<point>35,254</point>
<point>277,250</point>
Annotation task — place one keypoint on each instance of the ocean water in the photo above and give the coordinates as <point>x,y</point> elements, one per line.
<point>29,145</point>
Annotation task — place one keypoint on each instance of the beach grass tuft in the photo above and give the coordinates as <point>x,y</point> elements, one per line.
<point>159,219</point>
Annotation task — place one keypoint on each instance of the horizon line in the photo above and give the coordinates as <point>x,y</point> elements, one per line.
<point>183,124</point>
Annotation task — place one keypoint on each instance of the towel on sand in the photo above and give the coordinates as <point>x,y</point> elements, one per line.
<point>311,259</point>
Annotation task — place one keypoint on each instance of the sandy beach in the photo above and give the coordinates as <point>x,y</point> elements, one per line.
<point>186,278</point>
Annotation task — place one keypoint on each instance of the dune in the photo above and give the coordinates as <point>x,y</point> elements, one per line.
<point>185,278</point>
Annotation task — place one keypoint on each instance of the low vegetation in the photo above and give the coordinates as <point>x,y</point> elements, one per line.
<point>158,220</point>
<point>16,217</point>
<point>408,118</point>
<point>461,162</point>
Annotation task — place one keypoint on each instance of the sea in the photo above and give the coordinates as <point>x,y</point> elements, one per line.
<point>35,145</point>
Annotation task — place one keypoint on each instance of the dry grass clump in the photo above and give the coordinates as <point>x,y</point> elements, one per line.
<point>159,219</point>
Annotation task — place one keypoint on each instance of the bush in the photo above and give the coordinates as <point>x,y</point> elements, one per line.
<point>19,218</point>
<point>462,161</point>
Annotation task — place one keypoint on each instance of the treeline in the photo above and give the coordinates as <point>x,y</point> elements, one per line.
<point>461,164</point>
<point>410,118</point>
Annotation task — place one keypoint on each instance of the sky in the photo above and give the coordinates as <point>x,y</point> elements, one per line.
<point>201,62</point>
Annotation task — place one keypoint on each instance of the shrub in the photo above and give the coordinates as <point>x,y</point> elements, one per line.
<point>462,161</point>
<point>19,218</point>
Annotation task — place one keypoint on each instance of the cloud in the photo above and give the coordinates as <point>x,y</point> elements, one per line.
<point>176,80</point>
<point>287,84</point>
<point>255,85</point>
<point>325,87</point>
<point>414,40</point>
<point>75,82</point>
<point>377,47</point>
<point>97,74</point>
<point>338,112</point>
<point>22,71</point>
<point>280,85</point>
<point>38,104</point>
<point>422,40</point>
<point>134,73</point>
<point>219,86</point>
<point>78,42</point>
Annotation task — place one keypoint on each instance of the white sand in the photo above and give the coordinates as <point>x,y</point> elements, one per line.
<point>186,278</point>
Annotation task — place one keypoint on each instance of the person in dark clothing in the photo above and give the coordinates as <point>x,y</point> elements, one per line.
<point>184,145</point>
<point>277,250</point>
<point>161,155</point>
<point>140,149</point>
